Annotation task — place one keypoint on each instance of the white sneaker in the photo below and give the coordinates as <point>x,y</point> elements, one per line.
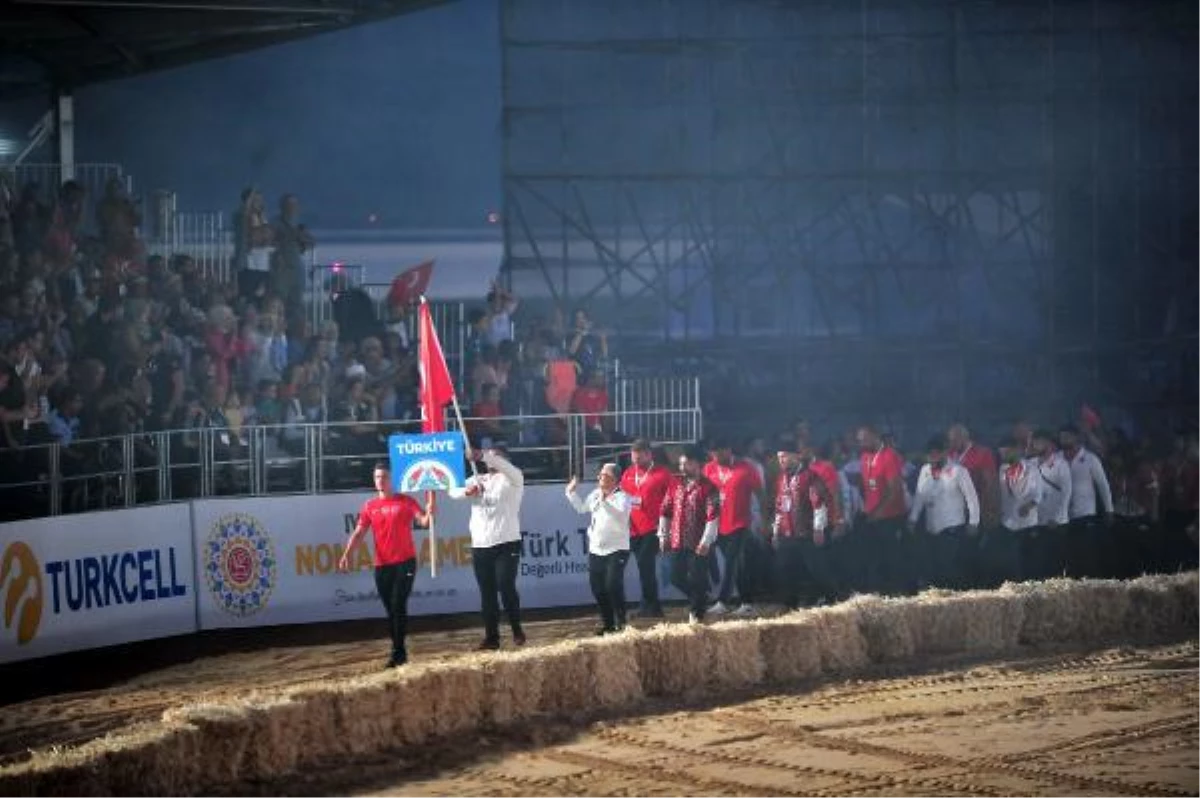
<point>745,611</point>
<point>693,619</point>
<point>718,609</point>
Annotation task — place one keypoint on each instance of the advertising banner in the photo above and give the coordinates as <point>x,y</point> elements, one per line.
<point>85,581</point>
<point>426,462</point>
<point>269,561</point>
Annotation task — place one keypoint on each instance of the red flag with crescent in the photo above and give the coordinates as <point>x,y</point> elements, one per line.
<point>410,284</point>
<point>437,389</point>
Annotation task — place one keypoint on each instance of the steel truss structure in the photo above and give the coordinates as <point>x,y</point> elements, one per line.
<point>914,195</point>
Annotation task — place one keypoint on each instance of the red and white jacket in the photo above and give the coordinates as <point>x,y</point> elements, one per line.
<point>797,495</point>
<point>691,513</point>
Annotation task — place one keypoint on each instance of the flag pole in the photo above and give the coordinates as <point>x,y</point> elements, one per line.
<point>474,469</point>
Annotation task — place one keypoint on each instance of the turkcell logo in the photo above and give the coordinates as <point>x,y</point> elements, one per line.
<point>426,462</point>
<point>128,577</point>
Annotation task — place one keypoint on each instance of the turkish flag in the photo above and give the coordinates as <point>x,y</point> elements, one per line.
<point>409,285</point>
<point>437,389</point>
<point>1089,417</point>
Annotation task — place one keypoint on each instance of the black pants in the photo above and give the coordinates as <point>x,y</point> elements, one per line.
<point>1087,540</point>
<point>942,555</point>
<point>606,572</point>
<point>496,573</point>
<point>689,575</point>
<point>250,283</point>
<point>733,549</point>
<point>818,567</point>
<point>789,570</point>
<point>645,552</point>
<point>881,555</point>
<point>394,582</point>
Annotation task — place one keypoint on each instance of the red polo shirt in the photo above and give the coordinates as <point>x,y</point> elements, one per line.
<point>646,487</point>
<point>981,465</point>
<point>881,467</point>
<point>591,402</point>
<point>391,519</point>
<point>737,484</point>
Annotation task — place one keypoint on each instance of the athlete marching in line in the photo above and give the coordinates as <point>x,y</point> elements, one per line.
<point>390,518</point>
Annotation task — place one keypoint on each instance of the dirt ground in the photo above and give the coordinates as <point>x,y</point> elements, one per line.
<point>1117,722</point>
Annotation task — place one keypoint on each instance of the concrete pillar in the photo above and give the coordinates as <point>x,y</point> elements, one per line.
<point>64,135</point>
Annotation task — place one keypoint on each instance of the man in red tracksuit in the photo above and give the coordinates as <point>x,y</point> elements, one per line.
<point>390,516</point>
<point>687,531</point>
<point>800,549</point>
<point>740,485</point>
<point>884,513</point>
<point>646,484</point>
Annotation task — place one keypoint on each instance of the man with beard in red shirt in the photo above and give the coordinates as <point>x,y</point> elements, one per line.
<point>884,513</point>
<point>979,554</point>
<point>687,531</point>
<point>740,485</point>
<point>801,550</point>
<point>390,517</point>
<point>646,484</point>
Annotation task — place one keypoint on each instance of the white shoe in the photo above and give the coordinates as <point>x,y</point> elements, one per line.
<point>745,611</point>
<point>693,619</point>
<point>718,609</point>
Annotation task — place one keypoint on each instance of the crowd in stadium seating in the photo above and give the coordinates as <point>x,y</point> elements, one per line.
<point>100,339</point>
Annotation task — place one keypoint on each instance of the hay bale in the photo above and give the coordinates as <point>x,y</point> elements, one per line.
<point>512,687</point>
<point>884,626</point>
<point>732,652</point>
<point>1103,605</point>
<point>790,646</point>
<point>1162,607</point>
<point>566,679</point>
<point>993,621</point>
<point>843,648</point>
<point>367,714</point>
<point>672,660</point>
<point>1052,611</point>
<point>311,718</point>
<point>613,669</point>
<point>456,693</point>
<point>225,737</point>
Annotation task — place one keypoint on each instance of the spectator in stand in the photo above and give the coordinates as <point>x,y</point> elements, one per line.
<point>587,346</point>
<point>117,219</point>
<point>486,414</point>
<point>289,270</point>
<point>501,307</point>
<point>354,311</point>
<point>30,221</point>
<point>253,242</point>
<point>357,417</point>
<point>222,343</point>
<point>486,372</point>
<point>591,401</point>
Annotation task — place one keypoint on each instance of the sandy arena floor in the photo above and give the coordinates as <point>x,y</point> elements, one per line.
<point>1117,722</point>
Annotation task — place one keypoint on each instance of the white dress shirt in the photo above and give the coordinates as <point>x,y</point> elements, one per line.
<point>608,531</point>
<point>1088,481</point>
<point>1056,489</point>
<point>948,499</point>
<point>496,509</point>
<point>1019,487</point>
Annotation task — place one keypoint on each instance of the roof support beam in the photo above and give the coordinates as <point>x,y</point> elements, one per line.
<point>199,5</point>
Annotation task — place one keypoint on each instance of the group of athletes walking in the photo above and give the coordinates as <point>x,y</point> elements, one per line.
<point>821,533</point>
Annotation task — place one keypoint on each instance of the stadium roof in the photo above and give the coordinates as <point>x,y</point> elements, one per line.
<point>66,44</point>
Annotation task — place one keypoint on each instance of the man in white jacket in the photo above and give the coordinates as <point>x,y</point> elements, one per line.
<point>1089,538</point>
<point>946,496</point>
<point>495,527</point>
<point>1020,494</point>
<point>608,544</point>
<point>1053,508</point>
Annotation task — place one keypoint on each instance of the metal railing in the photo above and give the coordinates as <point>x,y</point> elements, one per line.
<point>174,465</point>
<point>202,236</point>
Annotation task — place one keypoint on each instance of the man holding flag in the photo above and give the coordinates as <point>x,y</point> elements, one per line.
<point>495,496</point>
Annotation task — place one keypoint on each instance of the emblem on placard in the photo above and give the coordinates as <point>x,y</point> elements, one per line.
<point>239,564</point>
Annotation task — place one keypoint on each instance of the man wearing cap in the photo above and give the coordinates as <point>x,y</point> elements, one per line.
<point>646,484</point>
<point>801,550</point>
<point>739,485</point>
<point>608,544</point>
<point>495,526</point>
<point>687,530</point>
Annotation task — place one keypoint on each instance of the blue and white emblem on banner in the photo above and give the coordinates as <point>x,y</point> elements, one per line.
<point>426,462</point>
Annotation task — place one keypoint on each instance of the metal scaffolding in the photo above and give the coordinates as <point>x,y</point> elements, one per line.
<point>912,194</point>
